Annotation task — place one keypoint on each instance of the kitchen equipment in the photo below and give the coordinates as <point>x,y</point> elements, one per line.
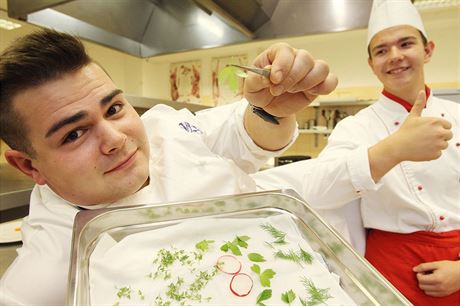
<point>260,71</point>
<point>283,160</point>
<point>357,277</point>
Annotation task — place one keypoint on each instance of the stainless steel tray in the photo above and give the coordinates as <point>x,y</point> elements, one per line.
<point>358,278</point>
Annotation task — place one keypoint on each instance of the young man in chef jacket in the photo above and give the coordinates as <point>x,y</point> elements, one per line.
<point>72,131</point>
<point>401,158</point>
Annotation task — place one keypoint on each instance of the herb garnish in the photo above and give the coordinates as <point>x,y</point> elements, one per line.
<point>263,296</point>
<point>298,257</point>
<point>231,75</point>
<point>239,241</point>
<point>277,234</point>
<point>265,276</point>
<point>317,296</point>
<point>288,297</point>
<point>203,245</point>
<point>256,257</point>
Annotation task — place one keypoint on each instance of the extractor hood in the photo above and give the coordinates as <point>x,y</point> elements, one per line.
<point>146,28</point>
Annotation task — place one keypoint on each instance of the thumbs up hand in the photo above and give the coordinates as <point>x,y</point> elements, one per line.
<point>421,138</point>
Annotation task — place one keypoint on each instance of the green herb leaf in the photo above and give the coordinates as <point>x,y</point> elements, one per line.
<point>256,269</point>
<point>203,245</point>
<point>224,247</point>
<point>266,276</point>
<point>263,296</point>
<point>235,249</point>
<point>288,297</point>
<point>256,257</point>
<point>230,75</point>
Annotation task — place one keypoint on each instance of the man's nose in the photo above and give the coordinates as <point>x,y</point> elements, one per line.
<point>395,54</point>
<point>111,137</point>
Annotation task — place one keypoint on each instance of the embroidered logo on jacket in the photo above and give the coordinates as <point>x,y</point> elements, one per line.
<point>190,127</point>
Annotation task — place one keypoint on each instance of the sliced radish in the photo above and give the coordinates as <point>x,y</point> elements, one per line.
<point>228,264</point>
<point>241,284</point>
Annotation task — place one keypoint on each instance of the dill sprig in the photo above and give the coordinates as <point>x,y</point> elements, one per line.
<point>277,234</point>
<point>298,257</point>
<point>317,296</point>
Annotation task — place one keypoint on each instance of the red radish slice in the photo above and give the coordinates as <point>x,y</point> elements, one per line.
<point>241,284</point>
<point>228,264</point>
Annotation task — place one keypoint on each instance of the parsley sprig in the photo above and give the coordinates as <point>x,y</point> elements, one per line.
<point>264,276</point>
<point>288,297</point>
<point>234,246</point>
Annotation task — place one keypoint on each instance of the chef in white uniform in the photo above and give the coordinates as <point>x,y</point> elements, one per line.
<point>401,158</point>
<point>73,132</point>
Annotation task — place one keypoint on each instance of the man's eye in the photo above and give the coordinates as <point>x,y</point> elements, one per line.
<point>72,136</point>
<point>114,109</point>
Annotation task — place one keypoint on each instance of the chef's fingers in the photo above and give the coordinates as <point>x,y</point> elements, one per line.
<point>317,74</point>
<point>325,87</point>
<point>299,70</point>
<point>419,104</point>
<point>445,124</point>
<point>281,57</point>
<point>254,83</point>
<point>427,279</point>
<point>425,267</point>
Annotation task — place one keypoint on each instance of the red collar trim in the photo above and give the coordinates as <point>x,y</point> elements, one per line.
<point>403,102</point>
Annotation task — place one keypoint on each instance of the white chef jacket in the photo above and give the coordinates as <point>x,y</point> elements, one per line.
<point>413,196</point>
<point>191,157</point>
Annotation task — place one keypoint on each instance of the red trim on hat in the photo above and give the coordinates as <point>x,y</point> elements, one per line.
<point>404,103</point>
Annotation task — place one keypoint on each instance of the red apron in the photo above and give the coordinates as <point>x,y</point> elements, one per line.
<point>394,255</point>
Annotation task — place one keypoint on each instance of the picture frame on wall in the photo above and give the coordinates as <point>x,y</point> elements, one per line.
<point>221,93</point>
<point>184,80</point>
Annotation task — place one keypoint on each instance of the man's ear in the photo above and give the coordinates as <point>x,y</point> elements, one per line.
<point>429,48</point>
<point>23,162</point>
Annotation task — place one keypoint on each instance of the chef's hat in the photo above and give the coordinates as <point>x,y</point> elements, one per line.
<point>389,13</point>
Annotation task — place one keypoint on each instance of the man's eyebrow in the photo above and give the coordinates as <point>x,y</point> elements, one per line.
<point>58,125</point>
<point>110,96</point>
<point>74,118</point>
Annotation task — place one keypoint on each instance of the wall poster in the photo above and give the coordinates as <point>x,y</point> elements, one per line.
<point>184,80</point>
<point>221,93</point>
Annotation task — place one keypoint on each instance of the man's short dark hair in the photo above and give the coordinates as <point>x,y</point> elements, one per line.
<point>424,41</point>
<point>31,61</point>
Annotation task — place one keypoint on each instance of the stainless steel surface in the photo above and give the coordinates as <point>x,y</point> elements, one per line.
<point>260,71</point>
<point>15,188</point>
<point>358,278</point>
<point>150,27</point>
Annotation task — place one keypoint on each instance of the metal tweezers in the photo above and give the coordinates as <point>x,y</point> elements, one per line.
<point>260,71</point>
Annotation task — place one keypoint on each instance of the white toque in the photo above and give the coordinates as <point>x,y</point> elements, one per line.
<point>389,13</point>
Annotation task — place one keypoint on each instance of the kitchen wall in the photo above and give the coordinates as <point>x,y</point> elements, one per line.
<point>344,51</point>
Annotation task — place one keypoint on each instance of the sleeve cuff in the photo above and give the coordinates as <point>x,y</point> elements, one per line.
<point>360,172</point>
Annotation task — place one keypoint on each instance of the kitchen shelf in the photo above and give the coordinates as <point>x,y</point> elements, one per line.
<point>311,131</point>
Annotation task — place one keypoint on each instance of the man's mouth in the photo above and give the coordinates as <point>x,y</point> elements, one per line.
<point>125,163</point>
<point>397,70</point>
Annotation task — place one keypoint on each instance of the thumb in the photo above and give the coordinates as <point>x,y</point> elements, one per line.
<point>419,104</point>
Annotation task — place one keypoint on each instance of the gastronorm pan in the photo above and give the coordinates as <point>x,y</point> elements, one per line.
<point>358,278</point>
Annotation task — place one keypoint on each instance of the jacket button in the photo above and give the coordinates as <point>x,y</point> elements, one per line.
<point>458,144</point>
<point>419,187</point>
<point>396,122</point>
<point>441,218</point>
<point>442,115</point>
